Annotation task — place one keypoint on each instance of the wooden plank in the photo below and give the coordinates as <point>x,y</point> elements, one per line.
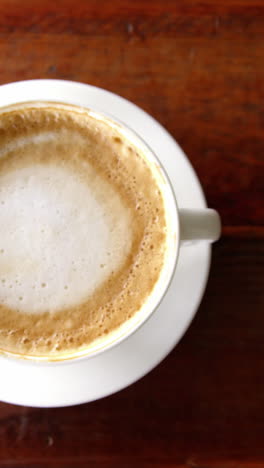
<point>197,67</point>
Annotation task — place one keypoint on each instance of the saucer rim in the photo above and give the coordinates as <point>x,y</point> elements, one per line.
<point>207,251</point>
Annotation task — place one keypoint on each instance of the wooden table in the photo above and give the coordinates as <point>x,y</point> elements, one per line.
<point>197,67</point>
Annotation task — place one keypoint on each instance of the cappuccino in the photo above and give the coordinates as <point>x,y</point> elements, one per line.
<point>83,230</point>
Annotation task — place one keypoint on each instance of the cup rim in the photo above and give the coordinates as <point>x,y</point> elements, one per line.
<point>85,353</point>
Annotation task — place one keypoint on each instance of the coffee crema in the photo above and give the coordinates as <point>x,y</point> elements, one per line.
<point>83,229</point>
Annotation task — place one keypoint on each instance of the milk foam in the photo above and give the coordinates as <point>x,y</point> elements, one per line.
<point>83,230</point>
<point>58,242</point>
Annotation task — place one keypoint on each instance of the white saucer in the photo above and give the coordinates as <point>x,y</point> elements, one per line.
<point>46,385</point>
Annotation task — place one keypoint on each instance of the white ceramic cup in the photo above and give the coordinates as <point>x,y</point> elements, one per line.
<point>184,225</point>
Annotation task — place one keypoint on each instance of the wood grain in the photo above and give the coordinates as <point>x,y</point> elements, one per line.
<point>196,66</point>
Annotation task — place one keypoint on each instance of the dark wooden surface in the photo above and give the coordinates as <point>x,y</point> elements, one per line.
<point>198,67</point>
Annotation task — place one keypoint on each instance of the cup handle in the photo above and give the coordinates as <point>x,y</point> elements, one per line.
<point>199,225</point>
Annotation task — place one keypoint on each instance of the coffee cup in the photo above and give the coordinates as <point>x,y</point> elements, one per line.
<point>92,231</point>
